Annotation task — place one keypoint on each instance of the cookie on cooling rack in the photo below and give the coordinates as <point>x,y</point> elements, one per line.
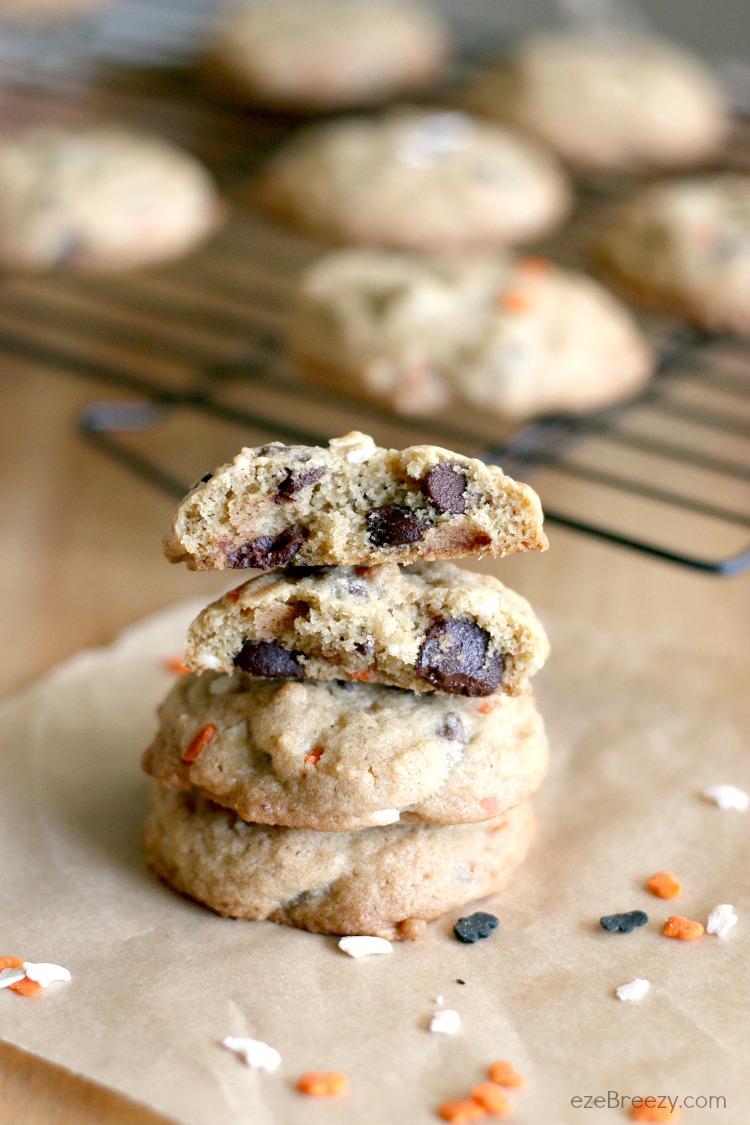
<point>99,199</point>
<point>429,627</point>
<point>351,503</point>
<point>684,246</point>
<point>612,101</point>
<point>310,55</point>
<point>332,758</point>
<point>382,881</point>
<point>514,338</point>
<point>414,179</point>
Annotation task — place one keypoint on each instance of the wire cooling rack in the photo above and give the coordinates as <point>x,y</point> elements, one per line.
<point>195,350</point>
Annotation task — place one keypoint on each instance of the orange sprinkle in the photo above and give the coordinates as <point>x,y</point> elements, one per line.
<point>679,927</point>
<point>664,885</point>
<point>534,265</point>
<point>514,301</point>
<point>489,804</point>
<point>505,1074</point>
<point>177,665</point>
<point>499,827</point>
<point>654,1113</point>
<point>492,1098</point>
<point>464,1109</point>
<point>23,987</point>
<point>328,1085</point>
<point>364,677</point>
<point>488,705</point>
<point>199,743</point>
<point>314,756</point>
<point>10,963</point>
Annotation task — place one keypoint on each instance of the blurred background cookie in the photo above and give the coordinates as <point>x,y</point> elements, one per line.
<point>310,55</point>
<point>414,179</point>
<point>684,246</point>
<point>515,338</point>
<point>606,101</point>
<point>99,199</point>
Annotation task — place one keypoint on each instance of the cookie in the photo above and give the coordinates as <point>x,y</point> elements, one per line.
<point>336,757</point>
<point>309,55</point>
<point>613,101</point>
<point>414,180</point>
<point>514,338</point>
<point>430,627</point>
<point>100,199</point>
<point>684,246</point>
<point>351,503</point>
<point>384,881</point>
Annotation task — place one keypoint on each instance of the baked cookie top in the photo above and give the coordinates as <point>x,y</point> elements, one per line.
<point>351,503</point>
<point>428,627</point>
<point>684,245</point>
<point>383,881</point>
<point>414,179</point>
<point>514,337</point>
<point>99,199</point>
<point>334,757</point>
<point>609,101</point>
<point>320,54</point>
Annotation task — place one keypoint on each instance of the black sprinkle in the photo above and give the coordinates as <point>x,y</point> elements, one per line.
<point>624,923</point>
<point>475,927</point>
<point>459,981</point>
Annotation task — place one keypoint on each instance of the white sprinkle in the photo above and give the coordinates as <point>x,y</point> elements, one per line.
<point>446,1022</point>
<point>635,990</point>
<point>721,919</point>
<point>253,1052</point>
<point>438,999</point>
<point>207,662</point>
<point>727,797</point>
<point>364,946</point>
<point>385,816</point>
<point>11,976</point>
<point>44,973</point>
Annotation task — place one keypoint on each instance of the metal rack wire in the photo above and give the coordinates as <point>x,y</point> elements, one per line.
<point>195,351</point>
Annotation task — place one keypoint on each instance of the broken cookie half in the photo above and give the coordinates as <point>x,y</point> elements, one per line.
<point>428,627</point>
<point>351,503</point>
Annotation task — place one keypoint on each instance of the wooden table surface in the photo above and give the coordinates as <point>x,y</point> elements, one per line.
<point>81,559</point>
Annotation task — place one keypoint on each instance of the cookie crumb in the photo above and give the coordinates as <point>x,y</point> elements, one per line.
<point>634,990</point>
<point>664,885</point>
<point>253,1052</point>
<point>721,919</point>
<point>446,1022</point>
<point>677,926</point>
<point>727,797</point>
<point>360,946</point>
<point>475,927</point>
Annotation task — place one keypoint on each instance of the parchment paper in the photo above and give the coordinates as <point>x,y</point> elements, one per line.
<point>158,981</point>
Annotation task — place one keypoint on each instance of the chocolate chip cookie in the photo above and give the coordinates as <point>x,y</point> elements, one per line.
<point>336,757</point>
<point>428,627</point>
<point>351,503</point>
<point>514,338</point>
<point>414,180</point>
<point>386,881</point>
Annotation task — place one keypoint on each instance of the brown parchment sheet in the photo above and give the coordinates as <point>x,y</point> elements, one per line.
<point>158,981</point>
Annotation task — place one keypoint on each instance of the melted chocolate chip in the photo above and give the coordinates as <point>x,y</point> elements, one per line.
<point>454,658</point>
<point>453,728</point>
<point>269,660</point>
<point>392,525</point>
<point>444,486</point>
<point>291,484</point>
<point>269,551</point>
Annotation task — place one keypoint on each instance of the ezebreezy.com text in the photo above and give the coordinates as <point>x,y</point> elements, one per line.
<point>615,1100</point>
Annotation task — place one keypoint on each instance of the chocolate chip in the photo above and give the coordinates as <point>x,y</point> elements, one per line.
<point>269,660</point>
<point>392,525</point>
<point>444,486</point>
<point>454,658</point>
<point>291,484</point>
<point>203,480</point>
<point>269,551</point>
<point>475,927</point>
<point>364,648</point>
<point>453,728</point>
<point>303,571</point>
<point>624,923</point>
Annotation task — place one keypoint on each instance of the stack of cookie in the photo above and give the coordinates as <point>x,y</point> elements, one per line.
<point>357,725</point>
